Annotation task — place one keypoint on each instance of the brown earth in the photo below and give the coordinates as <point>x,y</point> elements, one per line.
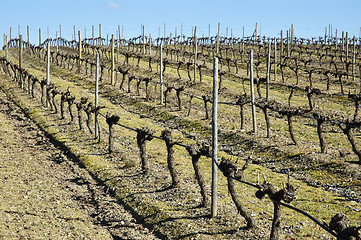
<point>44,195</point>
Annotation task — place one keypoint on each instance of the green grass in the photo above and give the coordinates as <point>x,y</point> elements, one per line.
<point>139,192</point>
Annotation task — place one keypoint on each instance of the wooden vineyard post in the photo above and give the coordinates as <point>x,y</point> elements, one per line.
<point>47,74</point>
<point>165,34</point>
<point>242,40</point>
<point>281,47</point>
<point>150,45</point>
<point>122,34</point>
<point>112,67</point>
<point>195,53</point>
<point>268,70</point>
<point>288,44</point>
<point>20,59</point>
<point>209,33</point>
<point>161,74</point>
<point>100,34</point>
<point>143,39</point>
<point>79,48</point>
<point>57,42</point>
<point>96,121</point>
<point>118,43</point>
<point>182,31</point>
<point>217,46</point>
<point>353,59</point>
<point>74,33</point>
<point>255,34</point>
<point>28,34</point>
<point>93,35</point>
<point>39,36</point>
<point>276,59</point>
<point>175,45</point>
<point>6,47</point>
<point>346,46</point>
<point>214,139</point>
<point>252,93</point>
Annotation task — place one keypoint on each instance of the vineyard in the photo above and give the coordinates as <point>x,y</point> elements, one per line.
<point>147,136</point>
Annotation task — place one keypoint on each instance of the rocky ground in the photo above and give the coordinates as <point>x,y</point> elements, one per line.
<point>44,195</point>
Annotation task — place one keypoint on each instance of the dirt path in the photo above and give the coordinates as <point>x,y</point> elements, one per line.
<point>43,195</point>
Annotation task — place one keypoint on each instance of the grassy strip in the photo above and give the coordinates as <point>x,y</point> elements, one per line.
<point>109,171</point>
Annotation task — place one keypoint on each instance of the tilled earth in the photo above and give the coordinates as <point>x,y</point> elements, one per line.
<point>44,195</point>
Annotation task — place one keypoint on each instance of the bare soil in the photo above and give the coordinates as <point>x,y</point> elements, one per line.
<point>44,195</point>
<point>174,212</point>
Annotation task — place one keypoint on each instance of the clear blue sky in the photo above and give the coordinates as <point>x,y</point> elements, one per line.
<point>309,17</point>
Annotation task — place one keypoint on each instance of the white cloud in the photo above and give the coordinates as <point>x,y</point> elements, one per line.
<point>113,5</point>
